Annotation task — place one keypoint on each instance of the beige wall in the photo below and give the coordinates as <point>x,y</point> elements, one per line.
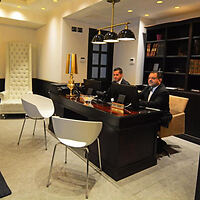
<point>125,50</point>
<point>13,33</point>
<point>55,40</point>
<point>75,42</point>
<point>49,40</point>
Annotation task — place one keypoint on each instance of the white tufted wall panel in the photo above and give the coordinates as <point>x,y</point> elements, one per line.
<point>18,80</point>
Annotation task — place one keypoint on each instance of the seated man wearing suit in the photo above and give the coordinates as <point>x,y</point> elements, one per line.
<point>118,76</point>
<point>155,95</point>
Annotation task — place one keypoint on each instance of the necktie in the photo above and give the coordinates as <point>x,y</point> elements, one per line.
<point>150,94</point>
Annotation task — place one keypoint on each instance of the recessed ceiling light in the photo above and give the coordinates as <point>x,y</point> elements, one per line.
<point>43,8</point>
<point>130,11</point>
<point>19,6</point>
<point>146,15</point>
<point>56,1</point>
<point>159,2</point>
<point>177,7</point>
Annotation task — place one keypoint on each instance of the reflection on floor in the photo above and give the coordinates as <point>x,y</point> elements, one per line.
<point>26,168</point>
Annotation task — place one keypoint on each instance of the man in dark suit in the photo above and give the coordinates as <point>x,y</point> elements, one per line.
<point>118,76</point>
<point>155,95</point>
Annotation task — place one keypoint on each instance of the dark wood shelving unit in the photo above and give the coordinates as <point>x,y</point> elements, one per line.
<point>196,37</point>
<point>194,75</point>
<point>176,56</point>
<point>176,39</point>
<point>154,57</point>
<point>195,56</point>
<point>175,73</point>
<point>156,41</point>
<point>179,60</point>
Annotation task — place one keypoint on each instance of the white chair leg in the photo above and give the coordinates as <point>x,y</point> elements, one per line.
<point>21,131</point>
<point>45,135</point>
<point>99,152</point>
<point>34,126</point>
<point>87,156</point>
<point>65,154</point>
<point>51,166</point>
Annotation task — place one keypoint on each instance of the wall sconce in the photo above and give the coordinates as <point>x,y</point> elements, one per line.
<point>112,37</point>
<point>71,68</point>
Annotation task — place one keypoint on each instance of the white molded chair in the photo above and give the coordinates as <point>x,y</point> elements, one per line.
<point>77,134</point>
<point>38,108</point>
<point>18,77</point>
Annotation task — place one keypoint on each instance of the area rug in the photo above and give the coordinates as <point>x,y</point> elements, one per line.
<point>4,189</point>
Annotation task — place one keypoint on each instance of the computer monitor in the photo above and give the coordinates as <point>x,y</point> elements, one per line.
<point>125,94</point>
<point>93,84</point>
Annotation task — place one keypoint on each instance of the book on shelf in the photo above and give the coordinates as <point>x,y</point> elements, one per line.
<point>194,66</point>
<point>160,49</point>
<point>154,49</point>
<point>155,66</point>
<point>148,49</point>
<point>196,47</point>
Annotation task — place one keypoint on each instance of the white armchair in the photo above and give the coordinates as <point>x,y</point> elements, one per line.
<point>18,77</point>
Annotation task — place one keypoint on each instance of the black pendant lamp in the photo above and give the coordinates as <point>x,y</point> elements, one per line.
<point>98,39</point>
<point>126,35</point>
<point>112,37</point>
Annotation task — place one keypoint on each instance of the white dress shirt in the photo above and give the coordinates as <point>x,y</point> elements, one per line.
<point>151,92</point>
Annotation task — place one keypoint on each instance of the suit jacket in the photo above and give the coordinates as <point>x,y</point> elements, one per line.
<point>123,82</point>
<point>159,100</point>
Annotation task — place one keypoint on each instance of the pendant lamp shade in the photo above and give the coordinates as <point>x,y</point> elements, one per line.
<point>98,39</point>
<point>111,37</point>
<point>126,35</point>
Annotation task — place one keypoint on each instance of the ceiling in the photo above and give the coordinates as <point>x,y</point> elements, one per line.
<point>33,5</point>
<point>101,12</point>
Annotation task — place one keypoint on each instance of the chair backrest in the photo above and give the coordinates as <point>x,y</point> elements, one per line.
<point>76,130</point>
<point>37,106</point>
<point>18,77</point>
<point>177,104</point>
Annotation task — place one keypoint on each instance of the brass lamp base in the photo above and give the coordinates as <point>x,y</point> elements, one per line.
<point>71,85</point>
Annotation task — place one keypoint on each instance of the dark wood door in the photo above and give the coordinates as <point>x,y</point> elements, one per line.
<point>100,59</point>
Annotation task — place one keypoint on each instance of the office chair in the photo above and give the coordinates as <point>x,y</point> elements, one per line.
<point>37,108</point>
<point>76,134</point>
<point>176,126</point>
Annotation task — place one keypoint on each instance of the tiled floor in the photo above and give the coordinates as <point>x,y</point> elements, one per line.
<point>25,168</point>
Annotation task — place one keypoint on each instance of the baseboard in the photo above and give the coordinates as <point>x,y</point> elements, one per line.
<point>189,138</point>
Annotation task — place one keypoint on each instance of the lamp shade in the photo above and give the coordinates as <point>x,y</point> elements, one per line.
<point>71,65</point>
<point>98,39</point>
<point>111,37</point>
<point>126,35</point>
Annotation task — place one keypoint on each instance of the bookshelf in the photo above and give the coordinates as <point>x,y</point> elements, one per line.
<point>174,49</point>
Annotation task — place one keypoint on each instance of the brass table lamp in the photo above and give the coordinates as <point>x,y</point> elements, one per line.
<point>71,68</point>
